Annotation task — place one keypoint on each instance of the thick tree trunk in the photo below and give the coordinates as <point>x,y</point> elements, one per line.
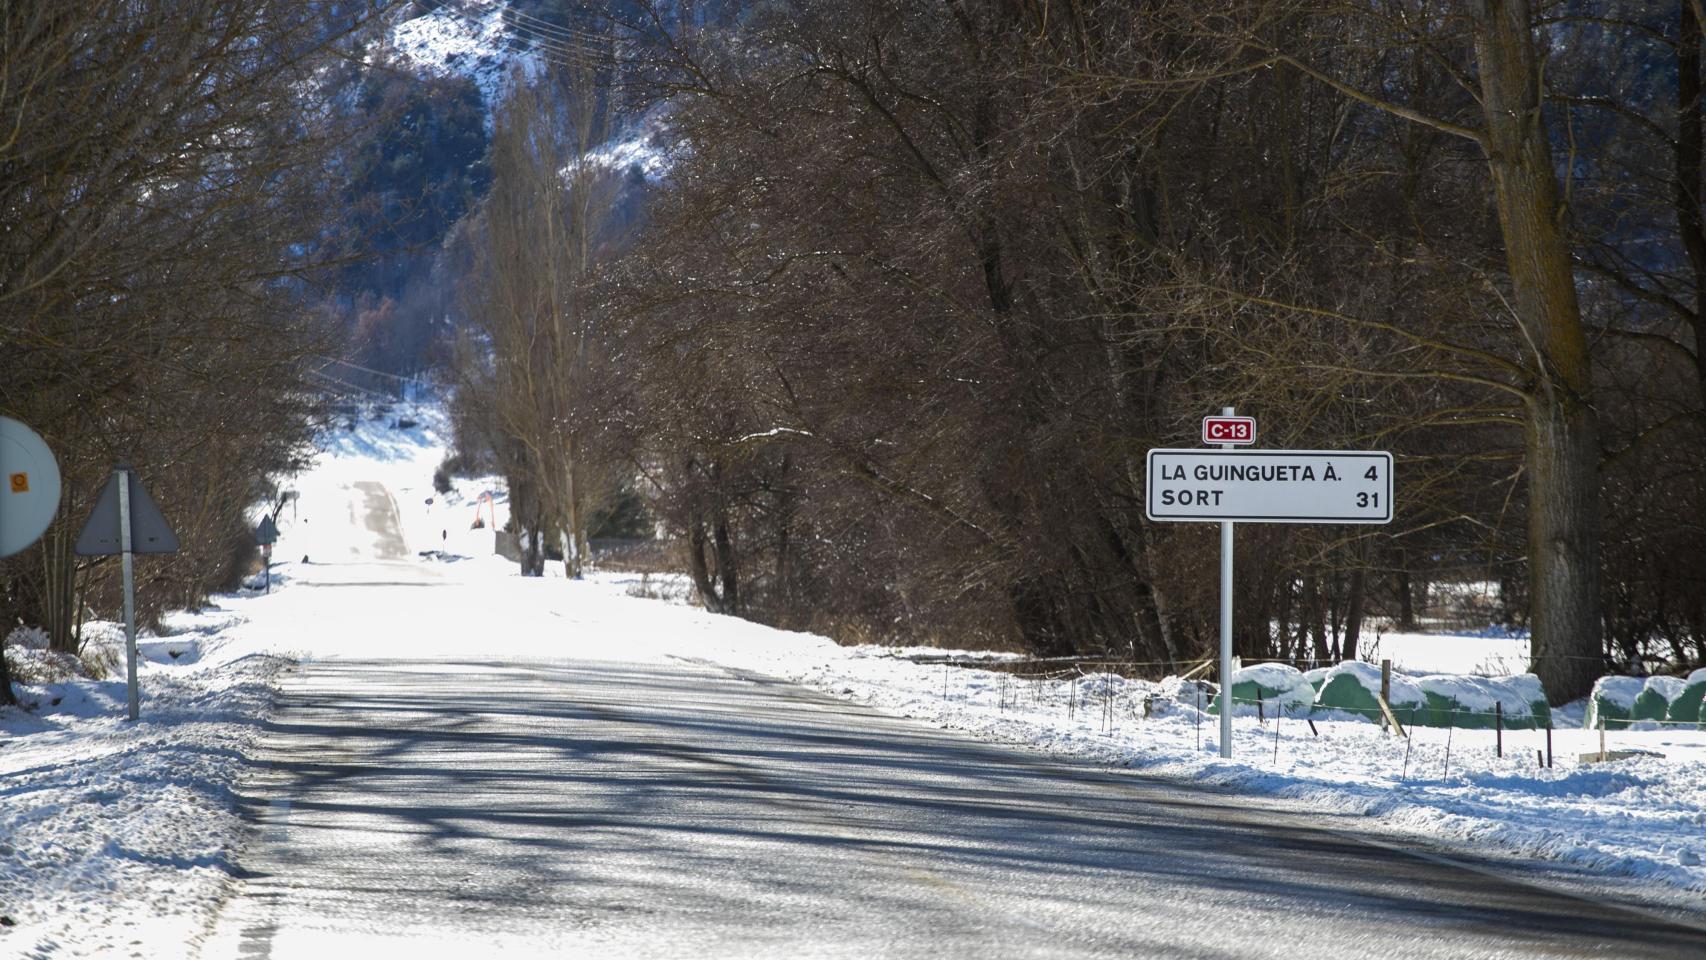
<point>1563,550</point>
<point>1562,439</point>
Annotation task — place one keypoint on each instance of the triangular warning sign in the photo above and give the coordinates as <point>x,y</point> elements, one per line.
<point>267,532</point>
<point>148,530</point>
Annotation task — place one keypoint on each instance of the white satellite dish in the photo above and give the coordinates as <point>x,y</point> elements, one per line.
<point>29,486</point>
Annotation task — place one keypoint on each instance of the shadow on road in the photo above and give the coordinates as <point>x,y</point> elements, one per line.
<point>658,804</point>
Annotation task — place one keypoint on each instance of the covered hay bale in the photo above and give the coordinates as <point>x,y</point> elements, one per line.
<point>1475,702</point>
<point>1685,707</point>
<point>1353,687</point>
<point>1613,701</point>
<point>1653,703</point>
<point>1279,688</point>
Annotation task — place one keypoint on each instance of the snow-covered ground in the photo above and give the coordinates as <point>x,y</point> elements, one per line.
<point>119,839</point>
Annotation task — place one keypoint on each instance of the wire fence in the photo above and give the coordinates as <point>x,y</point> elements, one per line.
<point>1116,702</point>
<point>1160,669</point>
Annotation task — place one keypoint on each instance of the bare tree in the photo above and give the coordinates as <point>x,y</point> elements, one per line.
<point>161,213</point>
<point>549,218</point>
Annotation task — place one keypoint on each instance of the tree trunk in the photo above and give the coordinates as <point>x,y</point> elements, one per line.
<point>1510,607</point>
<point>1690,150</point>
<point>1353,612</point>
<point>1563,550</point>
<point>7,697</point>
<point>59,582</point>
<point>1314,618</point>
<point>727,570</point>
<point>1406,597</point>
<point>1335,613</point>
<point>573,534</point>
<point>699,569</point>
<point>1562,437</point>
<point>532,552</point>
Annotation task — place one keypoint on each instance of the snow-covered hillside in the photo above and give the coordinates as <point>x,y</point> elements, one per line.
<point>465,39</point>
<point>474,39</point>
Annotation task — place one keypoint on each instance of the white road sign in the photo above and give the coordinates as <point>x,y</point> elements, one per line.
<point>29,486</point>
<point>1270,486</point>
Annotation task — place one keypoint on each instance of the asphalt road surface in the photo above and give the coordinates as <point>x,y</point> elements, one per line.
<point>597,809</point>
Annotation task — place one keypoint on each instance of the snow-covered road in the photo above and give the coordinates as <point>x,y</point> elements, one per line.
<point>463,762</point>
<point>466,789</point>
<point>662,808</point>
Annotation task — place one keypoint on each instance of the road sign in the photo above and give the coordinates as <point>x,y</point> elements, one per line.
<point>1234,430</point>
<point>149,532</point>
<point>126,522</point>
<point>266,533</point>
<point>1270,486</point>
<point>30,496</point>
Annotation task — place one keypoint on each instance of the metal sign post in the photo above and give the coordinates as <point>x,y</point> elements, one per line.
<point>132,696</point>
<point>125,521</point>
<point>266,534</point>
<point>1226,618</point>
<point>1230,486</point>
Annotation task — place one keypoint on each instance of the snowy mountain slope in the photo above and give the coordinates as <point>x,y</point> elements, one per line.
<point>464,39</point>
<point>474,40</point>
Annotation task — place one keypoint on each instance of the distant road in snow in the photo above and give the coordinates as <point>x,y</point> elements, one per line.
<point>475,807</point>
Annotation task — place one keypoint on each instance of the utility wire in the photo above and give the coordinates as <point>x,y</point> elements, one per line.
<point>380,373</point>
<point>567,46</point>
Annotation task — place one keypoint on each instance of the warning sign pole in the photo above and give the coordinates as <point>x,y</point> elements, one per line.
<point>124,505</point>
<point>122,476</point>
<point>1226,626</point>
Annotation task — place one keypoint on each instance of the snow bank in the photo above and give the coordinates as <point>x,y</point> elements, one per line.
<point>1640,817</point>
<point>114,834</point>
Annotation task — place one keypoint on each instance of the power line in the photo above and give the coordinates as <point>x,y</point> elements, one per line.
<point>380,373</point>
<point>567,45</point>
<point>346,386</point>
